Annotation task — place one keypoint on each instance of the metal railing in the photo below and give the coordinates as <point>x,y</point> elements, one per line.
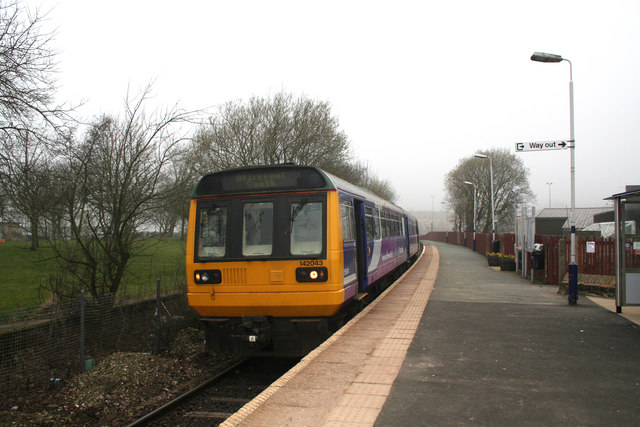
<point>44,345</point>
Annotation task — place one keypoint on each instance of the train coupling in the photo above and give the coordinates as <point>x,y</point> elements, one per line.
<point>254,330</point>
<point>237,335</point>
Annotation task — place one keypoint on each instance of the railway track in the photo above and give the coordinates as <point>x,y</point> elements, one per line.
<point>213,401</point>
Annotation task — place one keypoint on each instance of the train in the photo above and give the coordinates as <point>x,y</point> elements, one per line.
<point>277,256</point>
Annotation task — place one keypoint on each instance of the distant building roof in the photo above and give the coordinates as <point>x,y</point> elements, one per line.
<point>584,216</point>
<point>606,229</point>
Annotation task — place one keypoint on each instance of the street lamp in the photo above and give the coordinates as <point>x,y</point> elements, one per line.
<point>474,213</point>
<point>573,266</point>
<point>432,199</point>
<point>549,184</point>
<point>493,218</point>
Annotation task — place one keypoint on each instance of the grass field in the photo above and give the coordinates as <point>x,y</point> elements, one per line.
<point>22,271</point>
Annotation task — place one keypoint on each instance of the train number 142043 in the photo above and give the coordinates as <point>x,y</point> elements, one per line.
<point>311,263</point>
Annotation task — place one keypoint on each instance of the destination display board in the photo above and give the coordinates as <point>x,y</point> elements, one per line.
<point>258,180</point>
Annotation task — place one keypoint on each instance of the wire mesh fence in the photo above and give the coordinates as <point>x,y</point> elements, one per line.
<point>40,346</point>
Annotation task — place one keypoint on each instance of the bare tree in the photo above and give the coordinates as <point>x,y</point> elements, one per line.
<point>270,131</point>
<point>28,116</point>
<point>174,212</point>
<point>24,178</point>
<point>510,188</point>
<point>277,130</point>
<point>27,69</point>
<point>381,187</point>
<point>359,173</point>
<point>114,192</point>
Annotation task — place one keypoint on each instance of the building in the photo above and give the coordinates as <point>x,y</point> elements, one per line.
<point>10,231</point>
<point>555,221</point>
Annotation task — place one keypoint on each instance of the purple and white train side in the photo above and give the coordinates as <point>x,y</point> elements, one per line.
<point>378,237</point>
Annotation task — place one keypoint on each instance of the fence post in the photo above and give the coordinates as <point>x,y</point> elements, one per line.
<point>158,319</point>
<point>83,304</point>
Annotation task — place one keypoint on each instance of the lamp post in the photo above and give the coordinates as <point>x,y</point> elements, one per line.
<point>493,217</point>
<point>549,184</point>
<point>432,199</point>
<point>474,213</point>
<point>573,266</point>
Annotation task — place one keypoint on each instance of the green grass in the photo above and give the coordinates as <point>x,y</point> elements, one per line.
<point>23,271</point>
<point>164,259</point>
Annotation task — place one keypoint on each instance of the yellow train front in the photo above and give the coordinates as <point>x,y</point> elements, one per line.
<point>274,254</point>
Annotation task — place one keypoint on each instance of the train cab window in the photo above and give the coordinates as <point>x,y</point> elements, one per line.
<point>213,232</point>
<point>346,213</point>
<point>257,229</point>
<point>306,228</point>
<point>370,224</point>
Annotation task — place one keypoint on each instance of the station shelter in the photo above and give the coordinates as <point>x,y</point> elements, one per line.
<point>627,236</point>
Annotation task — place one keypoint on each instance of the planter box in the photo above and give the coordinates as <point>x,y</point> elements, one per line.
<point>493,260</point>
<point>508,265</point>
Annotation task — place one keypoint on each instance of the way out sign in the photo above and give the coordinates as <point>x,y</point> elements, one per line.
<point>542,146</point>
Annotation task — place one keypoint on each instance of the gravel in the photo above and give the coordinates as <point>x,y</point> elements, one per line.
<point>122,387</point>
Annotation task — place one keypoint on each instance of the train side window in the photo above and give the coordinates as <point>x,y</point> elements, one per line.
<point>257,229</point>
<point>378,225</point>
<point>396,225</point>
<point>212,240</point>
<point>370,223</point>
<point>387,225</point>
<point>306,228</point>
<point>346,213</point>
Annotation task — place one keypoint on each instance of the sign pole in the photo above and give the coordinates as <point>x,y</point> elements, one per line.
<point>573,266</point>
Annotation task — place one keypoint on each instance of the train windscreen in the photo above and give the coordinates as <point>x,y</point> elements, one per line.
<point>284,226</point>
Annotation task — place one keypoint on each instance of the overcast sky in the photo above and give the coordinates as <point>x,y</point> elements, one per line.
<point>416,85</point>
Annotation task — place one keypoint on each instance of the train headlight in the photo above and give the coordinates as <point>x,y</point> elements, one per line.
<point>312,274</point>
<point>207,276</point>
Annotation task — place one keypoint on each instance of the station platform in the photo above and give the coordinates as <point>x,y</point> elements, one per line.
<point>455,342</point>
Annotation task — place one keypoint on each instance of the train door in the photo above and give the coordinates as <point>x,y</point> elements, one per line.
<point>361,245</point>
<point>407,235</point>
<point>349,243</point>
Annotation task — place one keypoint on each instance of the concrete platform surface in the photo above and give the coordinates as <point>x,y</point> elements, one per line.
<point>489,348</point>
<point>629,312</point>
<point>493,349</point>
